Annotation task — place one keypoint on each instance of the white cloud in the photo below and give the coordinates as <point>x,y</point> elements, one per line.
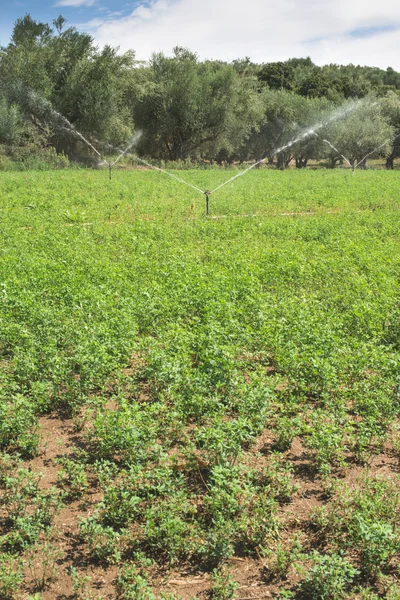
<point>75,3</point>
<point>264,30</point>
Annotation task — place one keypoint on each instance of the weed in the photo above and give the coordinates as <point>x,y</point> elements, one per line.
<point>80,584</point>
<point>42,563</point>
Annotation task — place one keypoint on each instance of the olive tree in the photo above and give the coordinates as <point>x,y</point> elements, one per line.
<point>194,108</point>
<point>362,133</point>
<point>391,110</point>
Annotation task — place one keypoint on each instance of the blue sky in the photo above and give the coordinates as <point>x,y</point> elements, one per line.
<point>77,12</point>
<point>346,31</point>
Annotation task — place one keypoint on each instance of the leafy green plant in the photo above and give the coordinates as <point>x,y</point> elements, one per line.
<point>73,477</point>
<point>103,542</point>
<point>329,577</point>
<point>220,373</point>
<point>42,563</point>
<point>223,585</point>
<point>10,576</point>
<point>80,584</point>
<point>132,585</point>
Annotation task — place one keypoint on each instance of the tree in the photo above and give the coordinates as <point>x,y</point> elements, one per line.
<point>391,111</point>
<point>12,126</point>
<point>286,117</point>
<point>278,75</point>
<point>93,95</point>
<point>195,108</point>
<point>47,71</point>
<point>364,132</point>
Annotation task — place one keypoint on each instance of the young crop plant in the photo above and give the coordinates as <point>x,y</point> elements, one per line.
<point>30,510</point>
<point>133,585</point>
<point>223,585</point>
<point>11,576</point>
<point>228,387</point>
<point>72,478</point>
<point>329,578</point>
<point>102,541</point>
<point>42,561</point>
<point>365,522</point>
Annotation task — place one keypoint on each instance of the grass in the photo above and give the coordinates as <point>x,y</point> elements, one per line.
<point>210,401</point>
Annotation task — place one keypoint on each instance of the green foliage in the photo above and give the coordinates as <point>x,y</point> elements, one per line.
<point>194,107</point>
<point>223,585</point>
<point>11,124</point>
<point>73,478</point>
<point>222,375</point>
<point>329,577</point>
<point>101,541</point>
<point>132,585</point>
<point>366,521</point>
<point>56,84</point>
<point>10,576</point>
<point>30,510</point>
<point>80,584</point>
<point>360,133</point>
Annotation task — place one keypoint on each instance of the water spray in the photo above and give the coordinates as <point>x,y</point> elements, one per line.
<point>134,140</point>
<point>63,123</point>
<point>309,132</point>
<point>376,149</point>
<point>340,154</point>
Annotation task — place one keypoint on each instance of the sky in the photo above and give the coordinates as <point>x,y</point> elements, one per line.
<point>362,32</point>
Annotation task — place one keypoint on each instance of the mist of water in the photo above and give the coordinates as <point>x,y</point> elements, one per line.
<point>74,131</point>
<point>376,150</point>
<point>172,175</point>
<point>59,120</point>
<point>64,124</point>
<point>339,114</point>
<point>336,150</point>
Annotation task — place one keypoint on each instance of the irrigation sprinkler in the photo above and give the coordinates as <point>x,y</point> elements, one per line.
<point>207,195</point>
<point>66,125</point>
<point>303,136</point>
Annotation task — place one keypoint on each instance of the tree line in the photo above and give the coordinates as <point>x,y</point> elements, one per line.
<point>54,77</point>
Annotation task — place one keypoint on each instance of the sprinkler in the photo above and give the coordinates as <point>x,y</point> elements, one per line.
<point>110,170</point>
<point>207,195</point>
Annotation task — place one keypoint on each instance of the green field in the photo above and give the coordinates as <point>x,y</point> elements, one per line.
<point>199,407</point>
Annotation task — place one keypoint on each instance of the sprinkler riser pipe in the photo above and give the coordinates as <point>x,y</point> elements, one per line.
<point>207,195</point>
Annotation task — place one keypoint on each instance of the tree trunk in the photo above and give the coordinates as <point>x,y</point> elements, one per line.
<point>301,163</point>
<point>362,164</point>
<point>288,161</point>
<point>280,163</point>
<point>283,161</point>
<point>390,162</point>
<point>332,162</point>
